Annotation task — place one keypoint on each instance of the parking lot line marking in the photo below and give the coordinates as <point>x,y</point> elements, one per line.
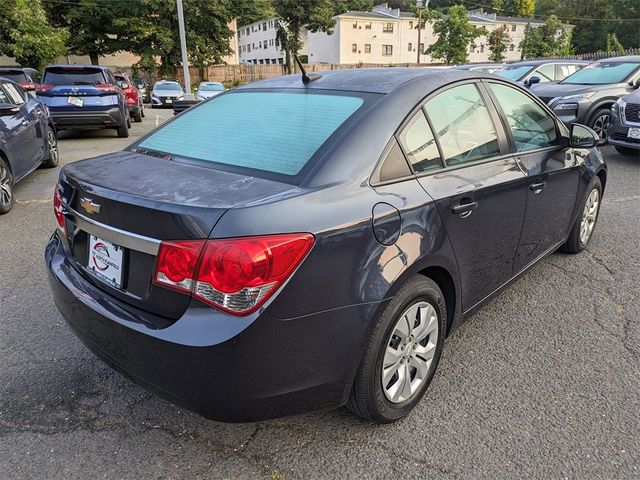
<point>49,200</point>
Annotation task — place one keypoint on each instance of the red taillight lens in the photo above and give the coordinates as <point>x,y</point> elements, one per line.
<point>177,262</point>
<point>106,88</point>
<point>27,86</point>
<point>43,87</point>
<point>57,210</point>
<point>235,275</point>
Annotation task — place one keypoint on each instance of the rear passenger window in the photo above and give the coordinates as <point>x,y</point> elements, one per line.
<point>419,145</point>
<point>394,165</point>
<point>546,73</point>
<point>531,126</point>
<point>4,98</point>
<point>463,125</point>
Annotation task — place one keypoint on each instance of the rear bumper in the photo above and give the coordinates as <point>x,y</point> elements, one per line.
<point>87,119</point>
<point>223,367</point>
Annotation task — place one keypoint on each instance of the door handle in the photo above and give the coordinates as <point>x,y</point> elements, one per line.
<point>464,209</point>
<point>536,188</point>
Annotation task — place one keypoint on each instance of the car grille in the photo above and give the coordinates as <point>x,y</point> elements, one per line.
<point>632,112</point>
<point>623,138</point>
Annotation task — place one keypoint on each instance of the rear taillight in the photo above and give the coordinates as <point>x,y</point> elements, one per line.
<point>27,86</point>
<point>236,275</point>
<point>43,87</point>
<point>57,210</point>
<point>106,88</point>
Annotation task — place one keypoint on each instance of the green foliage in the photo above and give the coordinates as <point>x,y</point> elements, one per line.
<point>455,34</point>
<point>27,36</point>
<point>314,15</point>
<point>525,8</point>
<point>613,44</point>
<point>553,39</point>
<point>249,11</point>
<point>499,41</point>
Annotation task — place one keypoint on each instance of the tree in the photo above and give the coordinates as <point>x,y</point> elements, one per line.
<point>499,41</point>
<point>613,44</point>
<point>27,36</point>
<point>294,15</point>
<point>553,39</point>
<point>525,8</point>
<point>246,12</point>
<point>455,34</point>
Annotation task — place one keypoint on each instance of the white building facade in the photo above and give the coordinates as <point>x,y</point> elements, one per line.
<point>389,36</point>
<point>257,43</point>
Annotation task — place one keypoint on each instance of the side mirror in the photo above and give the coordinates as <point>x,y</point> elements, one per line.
<point>635,84</point>
<point>582,136</point>
<point>532,81</point>
<point>7,109</point>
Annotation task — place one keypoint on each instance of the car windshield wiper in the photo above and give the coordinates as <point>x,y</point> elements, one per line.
<point>83,83</point>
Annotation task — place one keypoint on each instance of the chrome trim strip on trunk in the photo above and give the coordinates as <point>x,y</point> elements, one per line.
<point>114,235</point>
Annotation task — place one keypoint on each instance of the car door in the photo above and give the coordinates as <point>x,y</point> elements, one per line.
<point>33,140</point>
<point>552,171</point>
<point>17,136</point>
<point>478,187</point>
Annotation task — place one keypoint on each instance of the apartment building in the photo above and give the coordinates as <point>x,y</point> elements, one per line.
<point>257,43</point>
<point>390,36</point>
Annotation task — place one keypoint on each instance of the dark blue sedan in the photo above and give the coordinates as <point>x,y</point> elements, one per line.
<point>27,139</point>
<point>320,240</point>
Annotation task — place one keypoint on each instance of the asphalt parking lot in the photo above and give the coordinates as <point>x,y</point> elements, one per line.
<point>544,382</point>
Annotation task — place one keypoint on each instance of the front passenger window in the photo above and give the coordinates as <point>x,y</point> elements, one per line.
<point>531,126</point>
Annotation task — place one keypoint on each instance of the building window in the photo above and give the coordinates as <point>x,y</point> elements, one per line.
<point>367,26</point>
<point>259,27</point>
<point>354,48</point>
<point>513,28</point>
<point>273,60</point>
<point>265,44</point>
<point>355,24</point>
<point>248,48</point>
<point>410,25</point>
<point>280,61</point>
<point>410,47</point>
<point>387,50</point>
<point>261,62</point>
<point>367,48</point>
<point>481,47</point>
<point>512,47</point>
<point>277,43</point>
<point>472,48</point>
<point>387,27</point>
<point>421,47</point>
<point>266,61</point>
<point>264,26</point>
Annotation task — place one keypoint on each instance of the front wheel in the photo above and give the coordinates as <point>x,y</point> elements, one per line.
<point>586,221</point>
<point>6,187</point>
<point>599,123</point>
<point>402,354</point>
<point>52,145</point>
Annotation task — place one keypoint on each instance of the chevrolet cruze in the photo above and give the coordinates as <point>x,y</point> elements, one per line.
<point>321,239</point>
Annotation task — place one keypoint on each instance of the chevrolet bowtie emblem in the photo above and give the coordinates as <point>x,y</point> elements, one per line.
<point>89,205</point>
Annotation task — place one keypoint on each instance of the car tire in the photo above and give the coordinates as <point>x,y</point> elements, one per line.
<point>629,152</point>
<point>123,130</point>
<point>53,152</point>
<point>128,122</point>
<point>138,117</point>
<point>142,114</point>
<point>599,122</point>
<point>6,187</point>
<point>585,222</point>
<point>369,398</point>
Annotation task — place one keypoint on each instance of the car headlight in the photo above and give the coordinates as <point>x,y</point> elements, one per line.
<point>566,106</point>
<point>579,96</point>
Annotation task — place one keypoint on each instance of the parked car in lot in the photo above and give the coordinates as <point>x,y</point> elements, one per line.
<point>143,88</point>
<point>27,78</point>
<point>624,128</point>
<point>208,90</point>
<point>480,67</point>
<point>322,256</point>
<point>84,97</point>
<point>134,98</point>
<point>165,93</point>
<point>540,71</point>
<point>27,139</point>
<point>588,95</point>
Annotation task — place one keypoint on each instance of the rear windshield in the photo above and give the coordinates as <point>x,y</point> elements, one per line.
<point>15,76</point>
<point>75,76</point>
<point>514,73</point>
<point>167,86</point>
<point>602,73</point>
<point>211,87</point>
<point>275,132</point>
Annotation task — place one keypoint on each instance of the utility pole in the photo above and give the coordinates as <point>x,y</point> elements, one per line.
<point>183,48</point>
<point>420,5</point>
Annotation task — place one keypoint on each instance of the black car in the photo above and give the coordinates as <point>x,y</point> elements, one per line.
<point>84,97</point>
<point>540,71</point>
<point>27,139</point>
<point>321,254</point>
<point>588,95</point>
<point>27,78</point>
<point>624,128</point>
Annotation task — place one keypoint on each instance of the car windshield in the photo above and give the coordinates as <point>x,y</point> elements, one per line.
<point>167,86</point>
<point>73,76</point>
<point>211,87</point>
<point>515,72</point>
<point>275,132</point>
<point>15,76</point>
<point>602,73</point>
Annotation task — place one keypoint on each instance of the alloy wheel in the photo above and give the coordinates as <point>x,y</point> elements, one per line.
<point>5,186</point>
<point>53,146</point>
<point>600,125</point>
<point>409,352</point>
<point>589,216</point>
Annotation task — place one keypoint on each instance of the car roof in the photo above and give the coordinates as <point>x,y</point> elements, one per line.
<point>74,66</point>
<point>372,80</point>
<point>542,62</point>
<point>626,58</point>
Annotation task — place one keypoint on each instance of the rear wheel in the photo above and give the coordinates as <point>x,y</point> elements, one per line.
<point>52,145</point>
<point>142,110</point>
<point>6,187</point>
<point>138,116</point>
<point>600,122</point>
<point>586,220</point>
<point>629,152</point>
<point>402,354</point>
<point>123,130</point>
